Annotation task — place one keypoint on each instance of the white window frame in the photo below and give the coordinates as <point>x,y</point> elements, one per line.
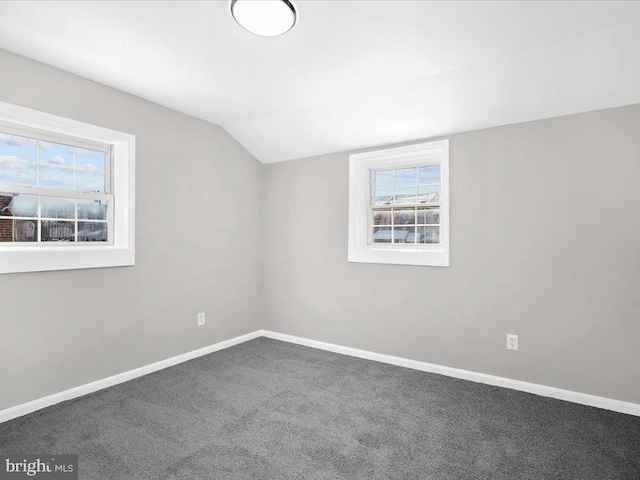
<point>120,248</point>
<point>361,166</point>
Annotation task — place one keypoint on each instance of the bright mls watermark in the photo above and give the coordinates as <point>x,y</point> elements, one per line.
<point>50,467</point>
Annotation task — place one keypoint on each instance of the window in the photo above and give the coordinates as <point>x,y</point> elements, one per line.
<point>399,205</point>
<point>66,193</point>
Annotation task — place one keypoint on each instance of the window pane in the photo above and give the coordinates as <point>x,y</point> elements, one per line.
<point>90,181</point>
<point>400,234</point>
<point>17,205</point>
<point>55,154</point>
<point>92,209</point>
<point>17,159</point>
<point>429,194</point>
<point>428,234</point>
<point>384,197</point>
<point>405,195</point>
<point>56,177</point>
<point>382,235</point>
<point>430,174</point>
<point>90,171</point>
<point>429,215</point>
<point>384,180</point>
<point>55,207</point>
<point>406,176</point>
<point>382,217</point>
<point>90,159</point>
<point>58,231</point>
<point>18,230</point>
<point>92,232</point>
<point>404,216</point>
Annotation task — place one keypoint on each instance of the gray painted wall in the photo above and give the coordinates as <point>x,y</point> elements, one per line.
<point>545,243</point>
<point>196,238</point>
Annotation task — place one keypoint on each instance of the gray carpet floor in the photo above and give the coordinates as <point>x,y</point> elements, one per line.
<point>271,410</point>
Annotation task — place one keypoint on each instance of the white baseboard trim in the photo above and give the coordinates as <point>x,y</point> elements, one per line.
<point>543,390</point>
<point>567,395</point>
<point>29,407</point>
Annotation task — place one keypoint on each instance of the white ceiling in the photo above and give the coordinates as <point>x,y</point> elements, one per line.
<point>351,74</point>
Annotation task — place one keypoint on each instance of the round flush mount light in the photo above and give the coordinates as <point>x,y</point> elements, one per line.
<point>267,18</point>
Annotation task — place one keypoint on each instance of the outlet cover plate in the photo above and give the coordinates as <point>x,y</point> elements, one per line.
<point>512,342</point>
<point>201,319</point>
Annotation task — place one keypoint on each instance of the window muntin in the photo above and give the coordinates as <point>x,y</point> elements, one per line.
<point>54,190</point>
<point>405,205</point>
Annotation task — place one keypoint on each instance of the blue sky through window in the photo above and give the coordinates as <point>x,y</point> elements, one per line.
<point>57,167</point>
<point>17,160</point>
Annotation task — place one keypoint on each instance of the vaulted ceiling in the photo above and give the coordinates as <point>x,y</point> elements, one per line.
<point>350,74</point>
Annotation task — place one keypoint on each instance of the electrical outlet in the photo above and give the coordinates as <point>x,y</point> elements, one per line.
<point>201,319</point>
<point>512,342</point>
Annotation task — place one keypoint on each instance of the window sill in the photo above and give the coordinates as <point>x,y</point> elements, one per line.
<point>41,259</point>
<point>401,256</point>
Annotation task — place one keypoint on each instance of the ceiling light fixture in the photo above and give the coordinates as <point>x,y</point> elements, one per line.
<point>267,18</point>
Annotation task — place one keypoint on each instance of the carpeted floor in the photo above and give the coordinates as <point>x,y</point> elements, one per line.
<point>271,410</point>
